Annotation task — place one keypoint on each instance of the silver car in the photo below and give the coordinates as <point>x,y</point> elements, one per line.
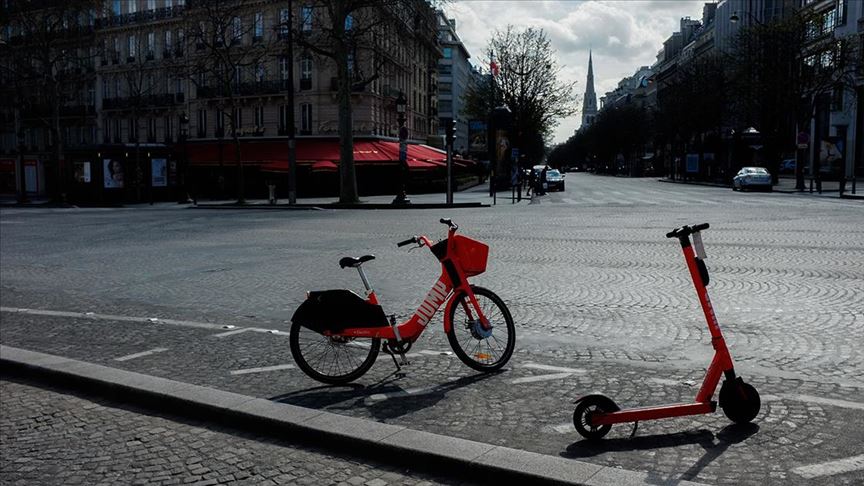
<point>752,178</point>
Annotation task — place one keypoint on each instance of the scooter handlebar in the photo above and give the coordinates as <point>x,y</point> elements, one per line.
<point>687,230</point>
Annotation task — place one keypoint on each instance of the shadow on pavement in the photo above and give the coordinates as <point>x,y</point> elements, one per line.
<point>396,403</point>
<point>714,446</point>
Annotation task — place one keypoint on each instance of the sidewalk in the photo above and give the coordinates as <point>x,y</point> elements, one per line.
<point>359,437</point>
<point>786,185</point>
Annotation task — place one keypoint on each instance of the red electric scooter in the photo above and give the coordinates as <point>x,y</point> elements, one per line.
<point>595,414</point>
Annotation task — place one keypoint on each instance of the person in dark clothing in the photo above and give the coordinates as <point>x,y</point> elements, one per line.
<point>543,181</point>
<point>532,180</point>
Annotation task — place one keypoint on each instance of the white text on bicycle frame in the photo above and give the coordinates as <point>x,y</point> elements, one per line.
<point>431,303</point>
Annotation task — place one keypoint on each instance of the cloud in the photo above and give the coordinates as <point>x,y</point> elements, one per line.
<point>622,34</point>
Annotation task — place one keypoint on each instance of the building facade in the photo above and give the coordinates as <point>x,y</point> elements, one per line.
<point>455,76</point>
<point>143,87</point>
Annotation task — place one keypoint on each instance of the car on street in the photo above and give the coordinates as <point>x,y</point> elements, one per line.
<point>752,178</point>
<point>554,180</point>
<point>787,166</point>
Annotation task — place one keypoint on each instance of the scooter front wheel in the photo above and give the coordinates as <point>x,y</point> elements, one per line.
<point>333,360</point>
<point>588,407</point>
<point>740,401</point>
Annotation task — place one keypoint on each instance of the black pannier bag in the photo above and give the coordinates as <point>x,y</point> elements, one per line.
<point>337,310</point>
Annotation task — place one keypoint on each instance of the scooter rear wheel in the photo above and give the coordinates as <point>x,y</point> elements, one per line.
<point>332,359</point>
<point>588,406</point>
<point>740,401</point>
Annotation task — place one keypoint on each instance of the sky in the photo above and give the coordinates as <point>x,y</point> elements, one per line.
<point>622,34</point>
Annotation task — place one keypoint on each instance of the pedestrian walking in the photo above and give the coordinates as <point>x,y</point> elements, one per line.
<point>532,181</point>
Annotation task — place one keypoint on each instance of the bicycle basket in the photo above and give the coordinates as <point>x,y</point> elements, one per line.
<point>472,254</point>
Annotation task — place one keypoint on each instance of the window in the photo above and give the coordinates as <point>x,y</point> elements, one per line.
<point>167,50</point>
<point>283,23</point>
<point>448,53</point>
<point>133,6</point>
<point>169,3</point>
<point>238,75</point>
<point>117,92</point>
<point>151,4</point>
<point>115,7</point>
<point>351,65</point>
<point>306,14</point>
<point>105,89</point>
<point>169,128</point>
<point>306,118</point>
<point>132,44</point>
<point>349,22</point>
<point>283,119</point>
<point>116,129</point>
<point>202,123</point>
<point>445,69</point>
<point>107,132</point>
<point>151,129</point>
<point>133,131</point>
<point>841,12</point>
<point>306,73</point>
<point>445,88</point>
<point>180,38</point>
<point>260,72</point>
<point>151,44</point>
<point>238,30</point>
<point>220,123</point>
<point>236,119</point>
<point>259,116</point>
<point>259,25</point>
<point>837,98</point>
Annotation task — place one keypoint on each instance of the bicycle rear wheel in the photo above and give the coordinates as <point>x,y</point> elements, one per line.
<point>334,360</point>
<point>482,350</point>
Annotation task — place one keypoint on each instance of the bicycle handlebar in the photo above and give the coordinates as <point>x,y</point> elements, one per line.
<point>686,230</point>
<point>449,223</point>
<point>413,239</point>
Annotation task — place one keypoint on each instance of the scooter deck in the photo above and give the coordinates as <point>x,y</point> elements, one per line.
<point>650,413</point>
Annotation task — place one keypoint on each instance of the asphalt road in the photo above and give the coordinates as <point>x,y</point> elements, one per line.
<point>602,302</point>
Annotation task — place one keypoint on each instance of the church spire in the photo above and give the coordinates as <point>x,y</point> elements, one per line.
<point>589,106</point>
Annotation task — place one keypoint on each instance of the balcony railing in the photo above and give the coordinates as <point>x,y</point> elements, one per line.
<point>140,17</point>
<point>244,89</point>
<point>167,99</point>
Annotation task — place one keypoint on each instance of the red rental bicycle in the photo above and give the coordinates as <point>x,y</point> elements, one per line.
<point>336,335</point>
<point>595,414</point>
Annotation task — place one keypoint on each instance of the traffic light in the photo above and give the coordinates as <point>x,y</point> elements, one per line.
<point>451,131</point>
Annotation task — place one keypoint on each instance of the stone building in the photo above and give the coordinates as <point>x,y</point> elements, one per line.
<point>144,91</point>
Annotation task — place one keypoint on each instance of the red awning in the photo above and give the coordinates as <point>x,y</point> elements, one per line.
<point>320,154</point>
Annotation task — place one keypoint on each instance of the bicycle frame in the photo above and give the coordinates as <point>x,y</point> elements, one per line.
<point>450,283</point>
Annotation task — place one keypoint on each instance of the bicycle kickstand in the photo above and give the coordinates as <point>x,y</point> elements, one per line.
<point>399,347</point>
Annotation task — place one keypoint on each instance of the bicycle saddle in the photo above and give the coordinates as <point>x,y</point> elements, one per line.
<point>355,262</point>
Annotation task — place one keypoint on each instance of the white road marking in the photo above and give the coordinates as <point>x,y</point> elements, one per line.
<point>534,379</point>
<point>543,367</point>
<point>563,428</point>
<point>823,401</point>
<point>263,369</point>
<point>231,333</point>
<point>840,466</point>
<point>141,354</point>
<point>108,317</point>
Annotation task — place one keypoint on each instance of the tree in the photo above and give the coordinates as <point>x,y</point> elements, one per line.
<point>354,35</point>
<point>49,60</point>
<point>227,53</point>
<point>528,83</point>
<point>786,68</point>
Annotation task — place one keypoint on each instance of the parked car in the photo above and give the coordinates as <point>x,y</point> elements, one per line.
<point>752,178</point>
<point>554,180</point>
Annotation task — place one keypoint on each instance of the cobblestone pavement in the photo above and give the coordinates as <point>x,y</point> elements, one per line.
<point>602,302</point>
<point>51,437</point>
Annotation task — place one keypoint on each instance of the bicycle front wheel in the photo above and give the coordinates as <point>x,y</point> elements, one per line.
<point>332,359</point>
<point>481,349</point>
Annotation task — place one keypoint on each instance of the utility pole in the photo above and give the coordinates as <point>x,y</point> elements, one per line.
<point>451,137</point>
<point>292,142</point>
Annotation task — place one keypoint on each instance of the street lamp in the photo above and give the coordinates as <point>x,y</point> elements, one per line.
<point>292,142</point>
<point>401,105</point>
<point>184,187</point>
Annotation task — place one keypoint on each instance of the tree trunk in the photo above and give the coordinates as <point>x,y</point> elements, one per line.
<point>241,185</point>
<point>60,195</point>
<point>347,175</point>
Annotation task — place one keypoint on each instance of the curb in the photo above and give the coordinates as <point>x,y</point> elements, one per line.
<point>319,207</point>
<point>386,442</point>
